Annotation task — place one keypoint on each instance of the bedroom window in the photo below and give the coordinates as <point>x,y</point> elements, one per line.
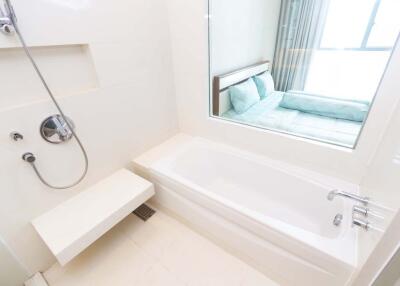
<point>308,68</point>
<point>357,34</point>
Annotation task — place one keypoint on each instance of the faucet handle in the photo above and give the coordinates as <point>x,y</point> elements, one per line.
<point>361,210</point>
<point>364,224</point>
<point>367,212</point>
<point>55,129</point>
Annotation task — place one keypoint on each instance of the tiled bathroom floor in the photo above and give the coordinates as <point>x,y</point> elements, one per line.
<point>161,251</point>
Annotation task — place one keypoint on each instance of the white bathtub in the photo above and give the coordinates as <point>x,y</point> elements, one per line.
<point>279,208</point>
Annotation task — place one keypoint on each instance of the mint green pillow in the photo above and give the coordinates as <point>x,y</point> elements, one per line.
<point>265,84</point>
<point>244,95</point>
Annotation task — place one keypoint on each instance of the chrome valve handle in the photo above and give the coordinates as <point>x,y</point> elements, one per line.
<point>361,223</point>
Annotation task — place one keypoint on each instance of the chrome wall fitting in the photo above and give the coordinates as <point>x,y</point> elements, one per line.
<point>337,220</point>
<point>29,157</point>
<point>16,136</point>
<point>6,16</point>
<point>6,28</point>
<point>367,212</point>
<point>360,210</point>
<point>361,223</point>
<point>55,130</point>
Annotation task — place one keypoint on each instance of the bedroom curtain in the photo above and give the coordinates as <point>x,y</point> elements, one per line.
<point>300,27</point>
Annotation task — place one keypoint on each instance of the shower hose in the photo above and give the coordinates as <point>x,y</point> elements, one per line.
<point>53,99</point>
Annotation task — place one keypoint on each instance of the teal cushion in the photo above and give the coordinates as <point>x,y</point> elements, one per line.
<point>265,84</point>
<point>326,106</point>
<point>244,95</point>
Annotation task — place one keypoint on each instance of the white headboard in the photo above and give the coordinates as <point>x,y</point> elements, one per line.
<point>221,99</point>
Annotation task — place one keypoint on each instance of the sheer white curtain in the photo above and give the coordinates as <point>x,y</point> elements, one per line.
<point>300,27</point>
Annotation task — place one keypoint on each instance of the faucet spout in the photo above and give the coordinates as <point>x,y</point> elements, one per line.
<point>337,193</point>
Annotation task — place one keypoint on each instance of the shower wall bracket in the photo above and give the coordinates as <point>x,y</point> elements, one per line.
<point>6,26</point>
<point>6,19</point>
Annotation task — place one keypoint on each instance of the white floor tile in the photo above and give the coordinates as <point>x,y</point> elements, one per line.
<point>157,275</point>
<point>162,252</point>
<point>112,260</point>
<point>155,236</point>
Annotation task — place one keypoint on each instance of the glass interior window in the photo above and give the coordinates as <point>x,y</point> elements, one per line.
<point>307,68</point>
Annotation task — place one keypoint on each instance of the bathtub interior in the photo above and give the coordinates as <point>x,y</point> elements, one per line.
<point>289,200</point>
<point>262,189</point>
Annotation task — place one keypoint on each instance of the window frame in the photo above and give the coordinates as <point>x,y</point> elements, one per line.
<point>364,44</point>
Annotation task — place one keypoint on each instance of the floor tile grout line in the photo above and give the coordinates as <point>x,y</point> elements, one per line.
<point>165,254</point>
<point>151,256</point>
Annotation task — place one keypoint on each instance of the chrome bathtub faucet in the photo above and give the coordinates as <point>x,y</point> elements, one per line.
<point>336,193</point>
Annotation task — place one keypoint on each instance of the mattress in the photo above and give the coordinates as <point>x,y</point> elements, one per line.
<point>268,114</point>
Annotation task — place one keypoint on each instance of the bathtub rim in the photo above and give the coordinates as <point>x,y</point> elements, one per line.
<point>181,142</point>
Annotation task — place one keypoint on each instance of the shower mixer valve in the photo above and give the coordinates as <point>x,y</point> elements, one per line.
<point>55,129</point>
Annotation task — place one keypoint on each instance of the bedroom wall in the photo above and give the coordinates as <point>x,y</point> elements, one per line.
<point>103,59</point>
<point>244,34</point>
<point>188,25</point>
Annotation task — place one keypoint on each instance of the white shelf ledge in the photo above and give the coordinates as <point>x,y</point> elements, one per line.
<point>71,227</point>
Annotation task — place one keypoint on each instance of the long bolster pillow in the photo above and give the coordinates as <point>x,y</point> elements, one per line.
<point>326,106</point>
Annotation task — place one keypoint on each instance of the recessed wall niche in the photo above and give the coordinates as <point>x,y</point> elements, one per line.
<point>68,70</point>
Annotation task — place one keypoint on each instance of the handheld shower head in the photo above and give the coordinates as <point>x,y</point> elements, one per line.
<point>8,19</point>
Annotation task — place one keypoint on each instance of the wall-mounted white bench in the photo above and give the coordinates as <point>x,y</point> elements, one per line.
<point>71,227</point>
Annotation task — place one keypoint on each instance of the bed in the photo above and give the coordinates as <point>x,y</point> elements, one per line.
<point>268,114</point>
